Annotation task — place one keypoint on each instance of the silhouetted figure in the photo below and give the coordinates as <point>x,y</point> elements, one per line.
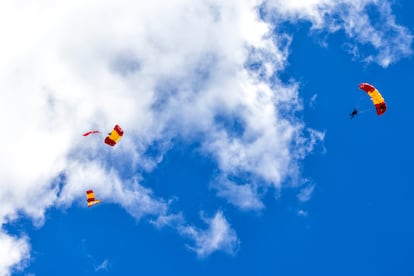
<point>354,113</point>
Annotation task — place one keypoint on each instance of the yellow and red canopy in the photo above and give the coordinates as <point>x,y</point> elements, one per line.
<point>376,97</point>
<point>114,136</point>
<point>90,197</point>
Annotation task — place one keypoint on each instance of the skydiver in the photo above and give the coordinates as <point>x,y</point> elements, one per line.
<point>354,113</point>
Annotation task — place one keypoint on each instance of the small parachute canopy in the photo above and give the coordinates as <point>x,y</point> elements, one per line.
<point>376,97</point>
<point>114,136</point>
<point>90,196</point>
<point>90,132</point>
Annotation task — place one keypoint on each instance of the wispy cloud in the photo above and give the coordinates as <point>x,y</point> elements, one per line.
<point>312,100</point>
<point>305,193</point>
<point>302,213</point>
<point>97,266</point>
<point>218,236</point>
<point>102,266</point>
<point>245,196</point>
<point>389,40</point>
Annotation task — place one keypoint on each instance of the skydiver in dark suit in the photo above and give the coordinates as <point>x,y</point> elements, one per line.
<point>354,113</point>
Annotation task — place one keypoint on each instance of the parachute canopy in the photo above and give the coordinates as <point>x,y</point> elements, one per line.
<point>376,97</point>
<point>90,196</point>
<point>114,136</point>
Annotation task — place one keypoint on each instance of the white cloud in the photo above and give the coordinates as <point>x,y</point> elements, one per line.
<point>245,196</point>
<point>14,252</point>
<point>302,213</point>
<point>390,40</point>
<point>312,100</point>
<point>305,193</point>
<point>164,70</point>
<point>102,266</point>
<point>69,68</point>
<point>171,220</point>
<point>218,236</point>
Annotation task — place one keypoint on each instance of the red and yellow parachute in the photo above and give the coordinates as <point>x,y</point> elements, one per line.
<point>114,136</point>
<point>376,97</point>
<point>90,197</point>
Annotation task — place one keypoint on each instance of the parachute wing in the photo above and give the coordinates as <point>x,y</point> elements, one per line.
<point>376,97</point>
<point>114,136</point>
<point>90,197</point>
<point>90,132</point>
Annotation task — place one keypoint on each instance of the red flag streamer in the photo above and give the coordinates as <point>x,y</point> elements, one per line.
<point>90,132</point>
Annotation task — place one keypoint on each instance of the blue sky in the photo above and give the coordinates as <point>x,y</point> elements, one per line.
<point>238,158</point>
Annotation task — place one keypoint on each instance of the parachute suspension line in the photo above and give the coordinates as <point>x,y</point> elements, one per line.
<point>364,110</point>
<point>362,102</point>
